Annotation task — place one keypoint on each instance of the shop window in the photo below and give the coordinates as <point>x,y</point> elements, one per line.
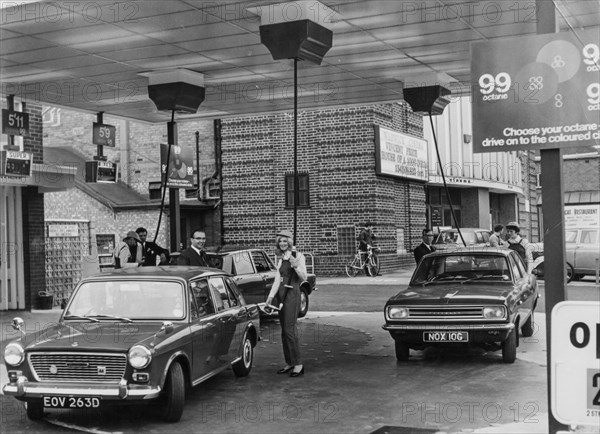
<point>303,190</point>
<point>346,239</point>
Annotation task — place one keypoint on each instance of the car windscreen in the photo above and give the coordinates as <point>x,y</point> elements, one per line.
<point>463,267</point>
<point>128,299</point>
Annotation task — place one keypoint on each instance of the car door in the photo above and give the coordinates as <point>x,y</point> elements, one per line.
<point>204,329</point>
<point>227,343</point>
<point>586,252</point>
<point>250,283</point>
<point>266,269</point>
<point>525,286</point>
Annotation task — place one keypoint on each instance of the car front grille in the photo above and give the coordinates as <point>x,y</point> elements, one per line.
<point>78,367</point>
<point>445,312</point>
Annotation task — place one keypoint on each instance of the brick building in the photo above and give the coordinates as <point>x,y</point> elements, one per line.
<point>246,169</point>
<point>22,234</point>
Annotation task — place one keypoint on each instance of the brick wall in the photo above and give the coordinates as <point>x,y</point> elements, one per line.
<point>336,148</point>
<point>581,174</point>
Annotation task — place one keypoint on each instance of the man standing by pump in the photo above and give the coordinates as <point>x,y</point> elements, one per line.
<point>152,253</point>
<point>195,254</point>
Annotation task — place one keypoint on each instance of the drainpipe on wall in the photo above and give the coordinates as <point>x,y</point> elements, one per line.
<point>125,150</point>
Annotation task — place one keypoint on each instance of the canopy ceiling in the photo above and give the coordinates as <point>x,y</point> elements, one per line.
<point>90,55</point>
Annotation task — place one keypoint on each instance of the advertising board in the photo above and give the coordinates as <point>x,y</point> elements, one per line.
<point>543,95</point>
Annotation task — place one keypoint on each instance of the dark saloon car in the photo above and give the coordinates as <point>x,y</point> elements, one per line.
<point>135,335</point>
<point>478,296</point>
<point>254,274</point>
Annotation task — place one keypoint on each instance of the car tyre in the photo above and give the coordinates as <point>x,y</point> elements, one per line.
<point>174,394</point>
<point>509,347</point>
<point>303,303</point>
<point>402,351</point>
<point>569,272</point>
<point>242,367</point>
<point>527,329</point>
<point>35,410</point>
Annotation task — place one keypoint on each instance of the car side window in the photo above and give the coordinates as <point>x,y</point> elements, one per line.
<point>570,236</point>
<point>516,263</point>
<point>242,263</point>
<point>260,261</point>
<point>589,236</point>
<point>225,299</point>
<point>201,293</point>
<point>234,291</point>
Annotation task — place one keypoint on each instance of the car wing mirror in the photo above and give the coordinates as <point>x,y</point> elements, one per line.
<point>17,323</point>
<point>167,327</point>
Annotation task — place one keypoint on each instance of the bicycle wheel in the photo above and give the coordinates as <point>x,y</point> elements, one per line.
<point>372,268</point>
<point>351,268</point>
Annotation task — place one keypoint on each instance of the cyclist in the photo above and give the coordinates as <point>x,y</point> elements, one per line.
<point>365,241</point>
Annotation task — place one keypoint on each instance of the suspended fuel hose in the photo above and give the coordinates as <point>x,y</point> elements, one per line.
<point>437,151</point>
<point>164,185</point>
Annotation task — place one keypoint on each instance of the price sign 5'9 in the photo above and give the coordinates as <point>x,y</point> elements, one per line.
<point>103,135</point>
<point>15,123</point>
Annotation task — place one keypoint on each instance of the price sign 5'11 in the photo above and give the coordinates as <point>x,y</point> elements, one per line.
<point>15,123</point>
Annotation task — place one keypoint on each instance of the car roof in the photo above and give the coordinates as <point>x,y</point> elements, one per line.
<point>465,229</point>
<point>479,250</point>
<point>186,272</point>
<point>234,249</point>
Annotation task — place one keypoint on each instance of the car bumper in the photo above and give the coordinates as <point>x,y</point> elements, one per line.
<point>478,333</point>
<point>24,389</point>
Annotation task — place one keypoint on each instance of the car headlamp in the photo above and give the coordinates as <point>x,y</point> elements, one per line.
<point>14,354</point>
<point>494,312</point>
<point>139,356</point>
<point>397,312</point>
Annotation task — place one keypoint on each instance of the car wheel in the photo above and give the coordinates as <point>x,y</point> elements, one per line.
<point>303,303</point>
<point>527,329</point>
<point>402,351</point>
<point>569,272</point>
<point>242,367</point>
<point>174,394</point>
<point>509,348</point>
<point>35,410</point>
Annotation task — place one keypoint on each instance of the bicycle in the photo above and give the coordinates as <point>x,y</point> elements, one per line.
<point>370,264</point>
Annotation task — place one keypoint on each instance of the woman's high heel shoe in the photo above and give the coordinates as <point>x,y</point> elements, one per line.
<point>285,370</point>
<point>297,374</point>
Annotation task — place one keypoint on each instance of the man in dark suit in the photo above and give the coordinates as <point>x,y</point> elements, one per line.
<point>195,254</point>
<point>151,251</point>
<point>425,247</point>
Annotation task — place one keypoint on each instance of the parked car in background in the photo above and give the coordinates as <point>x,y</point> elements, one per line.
<point>450,239</point>
<point>582,253</point>
<point>254,273</point>
<point>135,335</point>
<point>477,296</point>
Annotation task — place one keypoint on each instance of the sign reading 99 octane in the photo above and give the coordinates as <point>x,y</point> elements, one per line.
<point>536,92</point>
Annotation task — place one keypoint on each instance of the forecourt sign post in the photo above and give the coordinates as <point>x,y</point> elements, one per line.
<point>540,92</point>
<point>576,362</point>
